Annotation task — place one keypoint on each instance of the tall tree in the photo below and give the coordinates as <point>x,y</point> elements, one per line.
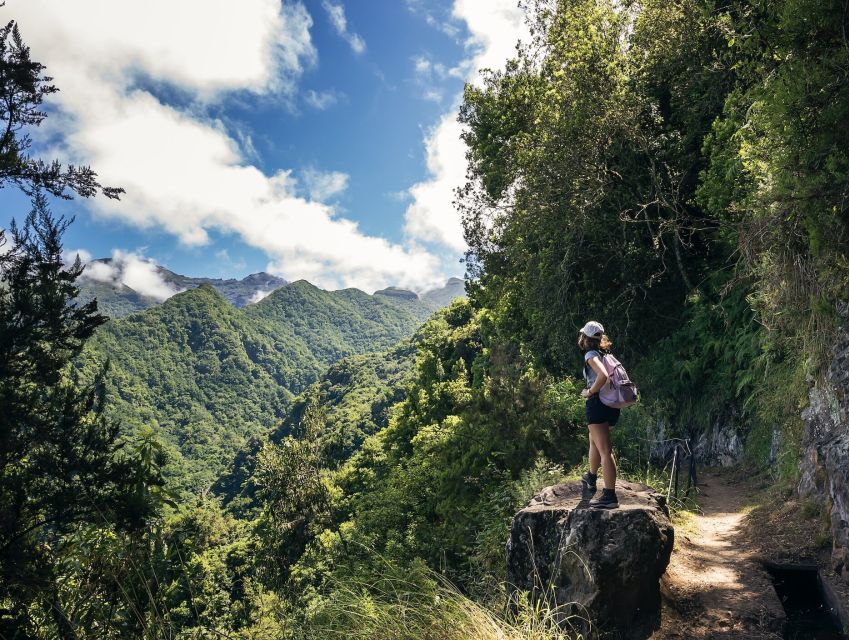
<point>584,156</point>
<point>292,485</point>
<point>60,465</point>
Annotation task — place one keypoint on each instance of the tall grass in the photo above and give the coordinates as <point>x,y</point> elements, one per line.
<point>417,604</point>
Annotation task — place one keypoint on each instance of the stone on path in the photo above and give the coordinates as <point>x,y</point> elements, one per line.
<point>601,568</point>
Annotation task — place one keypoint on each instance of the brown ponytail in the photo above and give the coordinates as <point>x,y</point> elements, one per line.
<point>599,343</point>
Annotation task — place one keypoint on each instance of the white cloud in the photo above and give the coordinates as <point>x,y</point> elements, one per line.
<point>227,263</point>
<point>69,256</point>
<point>422,65</point>
<point>444,24</point>
<point>142,275</point>
<point>433,95</point>
<point>183,171</point>
<point>321,100</point>
<point>401,196</point>
<point>494,26</point>
<point>431,216</point>
<point>126,268</point>
<point>321,186</point>
<point>430,76</point>
<point>203,46</point>
<point>259,294</point>
<point>428,70</point>
<point>336,13</point>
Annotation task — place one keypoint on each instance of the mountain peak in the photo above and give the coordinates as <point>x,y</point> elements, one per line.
<point>116,299</point>
<point>397,292</point>
<point>263,278</point>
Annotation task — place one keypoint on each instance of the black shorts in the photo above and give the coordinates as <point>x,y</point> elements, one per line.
<point>599,413</point>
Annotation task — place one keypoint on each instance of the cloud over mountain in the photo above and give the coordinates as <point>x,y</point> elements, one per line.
<point>183,170</point>
<point>126,268</point>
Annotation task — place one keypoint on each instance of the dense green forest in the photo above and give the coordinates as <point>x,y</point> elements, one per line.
<point>205,376</point>
<point>356,395</point>
<point>676,170</point>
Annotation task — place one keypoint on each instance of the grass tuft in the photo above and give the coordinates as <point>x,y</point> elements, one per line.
<point>414,603</point>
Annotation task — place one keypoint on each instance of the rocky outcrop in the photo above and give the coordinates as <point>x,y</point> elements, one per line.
<point>825,463</point>
<point>601,569</point>
<point>722,444</point>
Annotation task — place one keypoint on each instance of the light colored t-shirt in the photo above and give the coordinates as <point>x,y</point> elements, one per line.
<point>589,373</point>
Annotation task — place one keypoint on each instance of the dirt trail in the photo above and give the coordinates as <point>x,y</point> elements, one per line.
<point>714,588</point>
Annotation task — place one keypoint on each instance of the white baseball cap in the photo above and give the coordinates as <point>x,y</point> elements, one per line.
<point>592,329</point>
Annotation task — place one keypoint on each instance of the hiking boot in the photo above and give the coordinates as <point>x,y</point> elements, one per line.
<point>589,480</point>
<point>607,500</point>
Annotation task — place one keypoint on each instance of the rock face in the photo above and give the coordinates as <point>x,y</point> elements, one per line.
<point>600,568</point>
<point>722,444</point>
<point>825,463</point>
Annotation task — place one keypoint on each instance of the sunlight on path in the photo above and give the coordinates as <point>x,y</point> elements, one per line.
<point>713,587</point>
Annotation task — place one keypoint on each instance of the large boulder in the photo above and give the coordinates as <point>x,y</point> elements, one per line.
<point>599,568</point>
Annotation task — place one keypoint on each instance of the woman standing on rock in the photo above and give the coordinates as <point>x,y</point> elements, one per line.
<point>594,343</point>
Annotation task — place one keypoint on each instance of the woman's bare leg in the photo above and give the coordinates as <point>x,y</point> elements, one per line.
<point>595,457</point>
<point>600,439</point>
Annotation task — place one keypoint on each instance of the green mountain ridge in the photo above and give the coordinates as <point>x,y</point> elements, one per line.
<point>117,300</point>
<point>206,376</point>
<point>356,394</point>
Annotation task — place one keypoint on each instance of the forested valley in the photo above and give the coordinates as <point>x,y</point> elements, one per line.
<point>336,464</point>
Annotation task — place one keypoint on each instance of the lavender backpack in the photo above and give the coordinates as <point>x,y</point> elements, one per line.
<point>618,391</point>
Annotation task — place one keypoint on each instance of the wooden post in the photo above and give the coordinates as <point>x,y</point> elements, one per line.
<point>674,463</point>
<point>675,472</point>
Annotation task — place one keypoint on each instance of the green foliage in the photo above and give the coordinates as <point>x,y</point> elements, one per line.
<point>192,575</point>
<point>779,162</point>
<point>584,160</point>
<point>715,359</point>
<point>414,602</point>
<point>114,302</point>
<point>677,170</point>
<point>199,375</point>
<point>209,583</point>
<point>475,419</point>
<point>631,165</point>
<point>776,431</point>
<point>499,503</point>
<point>292,487</point>
<point>356,394</point>
<point>335,324</point>
<point>208,376</point>
<point>61,467</point>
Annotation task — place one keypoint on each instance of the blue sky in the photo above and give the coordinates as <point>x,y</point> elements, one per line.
<point>312,138</point>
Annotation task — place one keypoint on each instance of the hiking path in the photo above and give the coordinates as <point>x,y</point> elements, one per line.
<point>714,587</point>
